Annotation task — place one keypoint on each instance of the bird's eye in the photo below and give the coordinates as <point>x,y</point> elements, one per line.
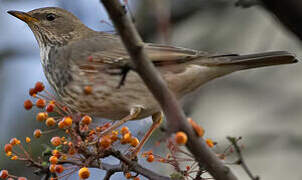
<point>50,17</point>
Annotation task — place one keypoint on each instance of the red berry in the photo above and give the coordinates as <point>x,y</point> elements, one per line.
<point>59,168</point>
<point>40,103</point>
<point>8,148</point>
<point>32,92</point>
<point>50,107</point>
<point>39,87</point>
<point>28,104</point>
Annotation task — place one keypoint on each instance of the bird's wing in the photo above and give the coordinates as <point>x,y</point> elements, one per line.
<point>107,50</point>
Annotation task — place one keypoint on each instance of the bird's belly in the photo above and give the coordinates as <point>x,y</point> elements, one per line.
<point>108,101</point>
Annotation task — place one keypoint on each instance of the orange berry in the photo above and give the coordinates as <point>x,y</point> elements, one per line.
<point>150,158</point>
<point>53,160</point>
<point>9,153</point>
<point>14,158</point>
<point>124,130</point>
<point>61,124</point>
<point>52,168</point>
<point>67,121</point>
<point>136,178</point>
<point>32,92</point>
<point>198,129</point>
<point>88,90</point>
<point>84,173</point>
<point>59,168</point>
<point>37,133</point>
<point>86,120</point>
<point>146,153</point>
<point>8,148</point>
<point>127,137</point>
<point>56,141</point>
<point>181,138</point>
<point>50,122</point>
<point>28,104</point>
<point>134,142</point>
<point>41,116</point>
<point>105,142</point>
<point>210,143</point>
<point>4,174</point>
<point>56,153</point>
<point>13,141</point>
<point>27,140</point>
<point>128,175</point>
<point>50,108</point>
<point>40,103</point>
<point>114,136</point>
<point>22,178</point>
<point>39,87</point>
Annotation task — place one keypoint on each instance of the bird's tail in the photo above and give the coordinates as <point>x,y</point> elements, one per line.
<point>258,60</point>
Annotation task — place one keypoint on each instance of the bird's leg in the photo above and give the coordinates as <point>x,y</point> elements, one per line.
<point>124,69</point>
<point>157,118</point>
<point>124,72</point>
<point>134,112</point>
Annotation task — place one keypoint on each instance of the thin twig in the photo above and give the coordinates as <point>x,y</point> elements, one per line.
<point>135,167</point>
<point>241,160</point>
<point>175,116</point>
<point>111,169</point>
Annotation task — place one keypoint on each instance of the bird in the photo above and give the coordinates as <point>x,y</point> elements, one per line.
<point>74,57</point>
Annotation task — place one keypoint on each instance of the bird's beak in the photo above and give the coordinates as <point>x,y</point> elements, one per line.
<point>23,16</point>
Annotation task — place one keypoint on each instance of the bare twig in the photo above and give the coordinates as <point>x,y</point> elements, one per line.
<point>174,114</point>
<point>241,160</point>
<point>111,169</point>
<point>135,167</point>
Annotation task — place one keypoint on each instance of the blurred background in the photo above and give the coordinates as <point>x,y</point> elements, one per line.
<point>261,105</point>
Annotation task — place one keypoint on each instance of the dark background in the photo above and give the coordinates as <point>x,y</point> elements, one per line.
<point>262,105</point>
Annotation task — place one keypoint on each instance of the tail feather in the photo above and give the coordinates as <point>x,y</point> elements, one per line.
<point>257,60</point>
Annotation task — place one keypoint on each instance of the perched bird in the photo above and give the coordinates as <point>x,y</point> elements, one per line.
<point>75,57</point>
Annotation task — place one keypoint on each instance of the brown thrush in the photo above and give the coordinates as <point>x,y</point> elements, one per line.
<point>75,57</point>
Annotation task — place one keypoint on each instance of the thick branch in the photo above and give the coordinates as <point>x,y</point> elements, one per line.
<point>174,114</point>
<point>289,12</point>
<point>135,167</point>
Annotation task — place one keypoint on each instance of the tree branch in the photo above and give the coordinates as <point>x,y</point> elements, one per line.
<point>111,169</point>
<point>289,12</point>
<point>241,160</point>
<point>175,116</point>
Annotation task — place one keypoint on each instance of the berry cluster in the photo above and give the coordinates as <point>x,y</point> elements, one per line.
<point>83,144</point>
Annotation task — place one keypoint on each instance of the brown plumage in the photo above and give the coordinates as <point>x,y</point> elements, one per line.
<point>74,56</point>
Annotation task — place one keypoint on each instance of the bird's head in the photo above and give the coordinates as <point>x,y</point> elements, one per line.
<point>52,25</point>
